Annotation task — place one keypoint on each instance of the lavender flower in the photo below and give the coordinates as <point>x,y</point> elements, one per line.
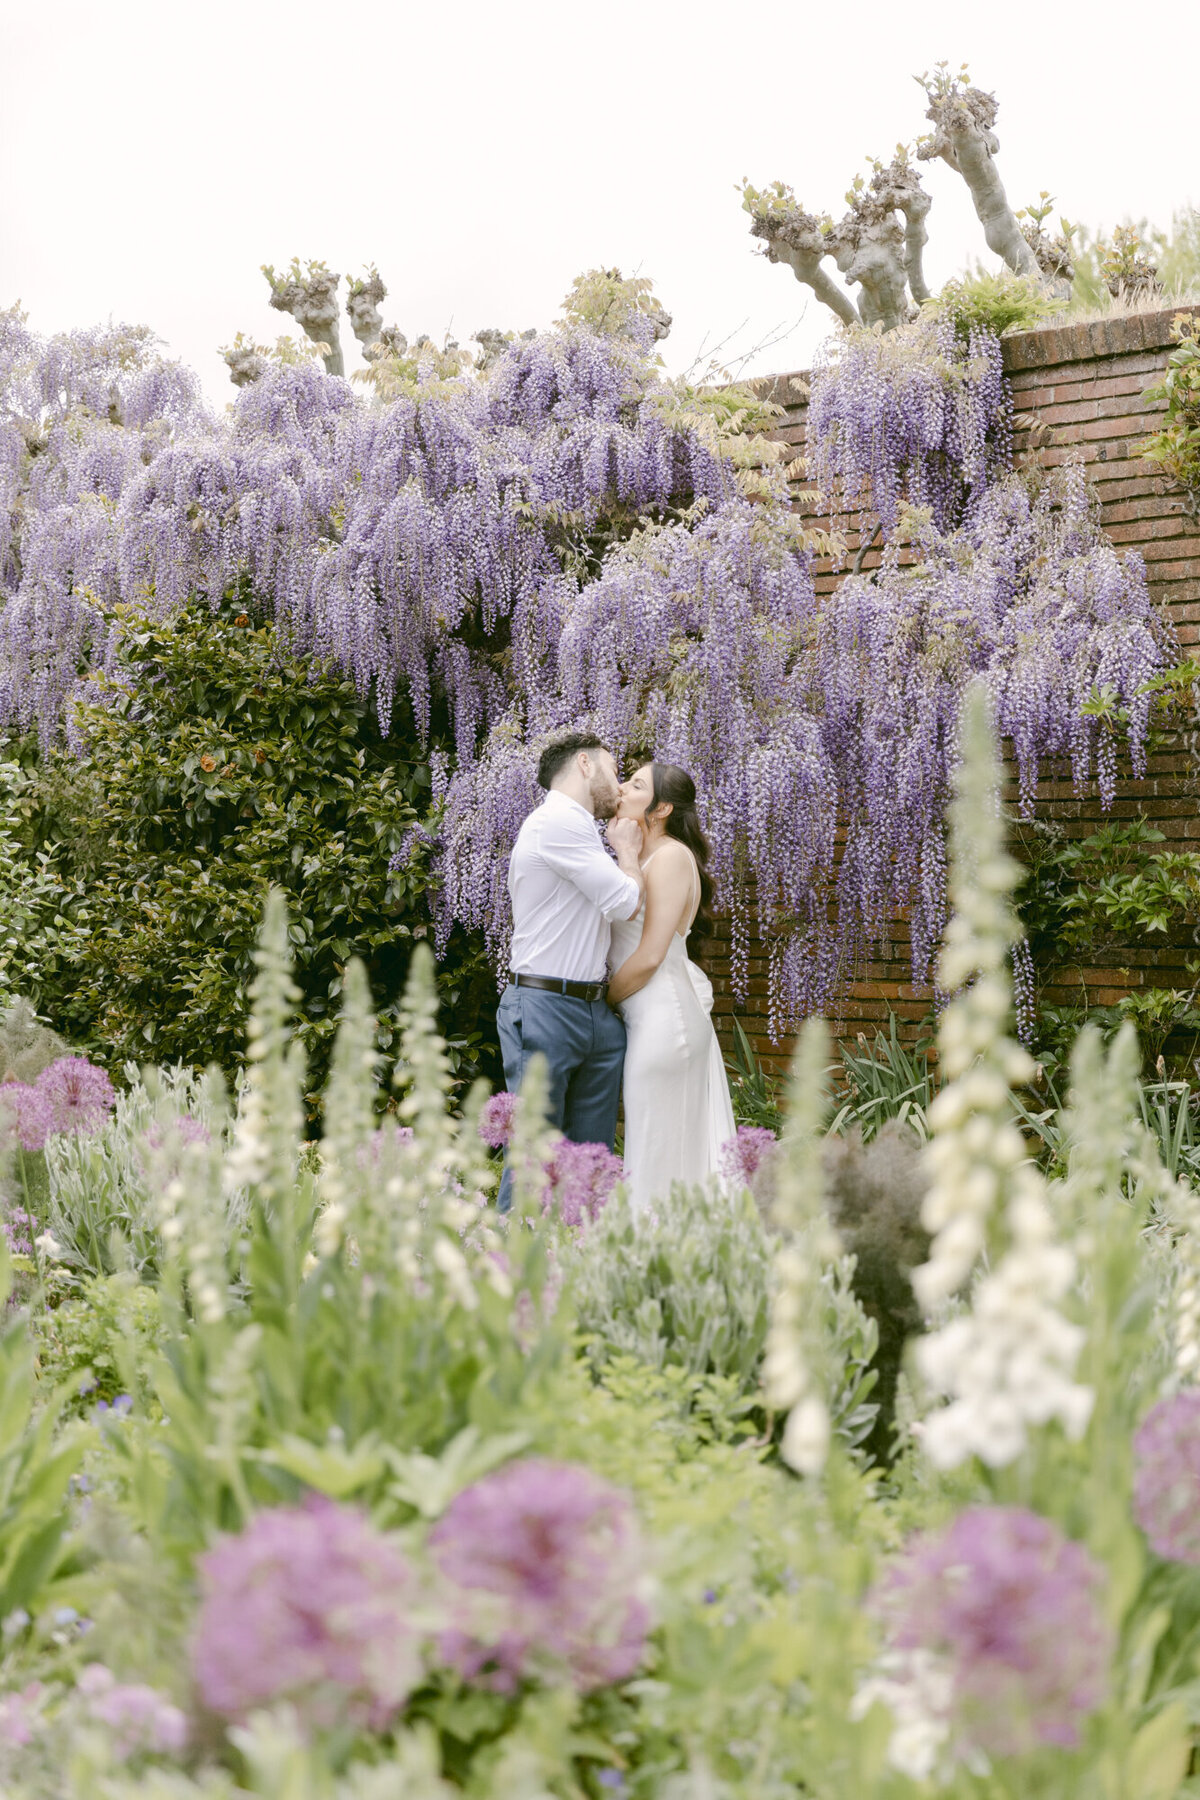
<point>546,1573</point>
<point>138,1717</point>
<point>27,1114</point>
<point>20,1714</point>
<point>1166,1487</point>
<point>1010,1609</point>
<point>309,1604</point>
<point>79,1094</point>
<point>496,1119</point>
<point>20,1229</point>
<point>744,1154</point>
<point>580,1181</point>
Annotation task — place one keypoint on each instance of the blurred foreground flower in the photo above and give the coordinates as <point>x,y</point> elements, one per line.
<point>743,1155</point>
<point>1166,1486</point>
<point>138,1717</point>
<point>547,1573</point>
<point>1008,1610</point>
<point>496,1119</point>
<point>580,1180</point>
<point>309,1604</point>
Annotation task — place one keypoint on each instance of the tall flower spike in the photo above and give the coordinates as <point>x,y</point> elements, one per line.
<point>349,1111</point>
<point>1007,1364</point>
<point>424,1074</point>
<point>270,1122</point>
<point>794,1372</point>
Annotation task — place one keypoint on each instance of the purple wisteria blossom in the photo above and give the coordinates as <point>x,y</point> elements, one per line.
<point>545,1571</point>
<point>441,551</point>
<point>743,1155</point>
<point>309,1604</point>
<point>80,1095</point>
<point>1166,1483</point>
<point>1011,1609</point>
<point>496,1119</point>
<point>580,1181</point>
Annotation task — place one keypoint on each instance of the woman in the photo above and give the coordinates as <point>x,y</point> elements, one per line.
<point>678,1114</point>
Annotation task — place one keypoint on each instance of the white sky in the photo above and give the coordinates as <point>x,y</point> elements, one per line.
<point>154,153</point>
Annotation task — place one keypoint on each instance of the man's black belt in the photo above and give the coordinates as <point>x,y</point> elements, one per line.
<point>575,990</point>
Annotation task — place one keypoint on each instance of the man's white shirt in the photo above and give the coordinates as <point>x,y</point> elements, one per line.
<point>565,891</point>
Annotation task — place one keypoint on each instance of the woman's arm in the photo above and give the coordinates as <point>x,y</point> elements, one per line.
<point>668,894</point>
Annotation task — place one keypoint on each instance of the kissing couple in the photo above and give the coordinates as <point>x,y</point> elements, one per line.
<point>601,985</point>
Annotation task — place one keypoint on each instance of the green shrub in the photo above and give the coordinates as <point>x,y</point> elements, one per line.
<point>995,302</point>
<point>228,767</point>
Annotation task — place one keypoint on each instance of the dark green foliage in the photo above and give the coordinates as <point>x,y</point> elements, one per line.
<point>755,1093</point>
<point>227,767</point>
<point>884,1082</point>
<point>874,1192</point>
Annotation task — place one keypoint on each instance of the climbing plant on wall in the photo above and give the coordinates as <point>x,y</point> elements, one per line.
<point>554,532</point>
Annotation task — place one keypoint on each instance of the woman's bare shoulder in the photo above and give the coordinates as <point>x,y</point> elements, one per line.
<point>670,860</point>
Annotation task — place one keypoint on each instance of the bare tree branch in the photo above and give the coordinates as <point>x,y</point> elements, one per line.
<point>963,137</point>
<point>311,298</point>
<point>362,308</point>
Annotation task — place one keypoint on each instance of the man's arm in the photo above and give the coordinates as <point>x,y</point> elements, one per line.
<point>577,855</point>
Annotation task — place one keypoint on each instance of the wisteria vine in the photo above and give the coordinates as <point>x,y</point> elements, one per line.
<point>563,538</point>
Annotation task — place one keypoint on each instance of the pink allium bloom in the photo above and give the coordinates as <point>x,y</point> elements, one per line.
<point>1166,1483</point>
<point>496,1120</point>
<point>743,1154</point>
<point>20,1715</point>
<point>138,1717</point>
<point>545,1566</point>
<point>309,1604</point>
<point>580,1179</point>
<point>20,1229</point>
<point>1012,1608</point>
<point>80,1095</point>
<point>27,1114</point>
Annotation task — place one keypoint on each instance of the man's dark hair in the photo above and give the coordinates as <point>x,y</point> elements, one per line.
<point>557,755</point>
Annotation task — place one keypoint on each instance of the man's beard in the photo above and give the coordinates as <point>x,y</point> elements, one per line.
<point>605,805</point>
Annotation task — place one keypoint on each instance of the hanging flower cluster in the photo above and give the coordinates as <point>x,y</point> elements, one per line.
<point>561,539</point>
<point>908,417</point>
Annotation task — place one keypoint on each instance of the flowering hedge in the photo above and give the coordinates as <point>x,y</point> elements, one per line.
<point>566,536</point>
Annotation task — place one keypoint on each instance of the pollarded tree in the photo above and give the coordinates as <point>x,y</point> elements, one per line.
<point>878,244</point>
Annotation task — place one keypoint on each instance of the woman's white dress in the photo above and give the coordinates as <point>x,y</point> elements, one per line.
<point>678,1114</point>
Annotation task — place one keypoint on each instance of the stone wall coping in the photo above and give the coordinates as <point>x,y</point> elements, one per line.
<point>1046,347</point>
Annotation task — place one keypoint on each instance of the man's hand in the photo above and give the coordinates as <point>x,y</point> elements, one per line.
<point>625,836</point>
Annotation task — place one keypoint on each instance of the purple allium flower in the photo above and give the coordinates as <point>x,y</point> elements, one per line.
<point>1012,1608</point>
<point>139,1717</point>
<point>496,1120</point>
<point>20,1229</point>
<point>743,1154</point>
<point>20,1714</point>
<point>580,1179</point>
<point>1166,1483</point>
<point>27,1113</point>
<point>545,1566</point>
<point>80,1095</point>
<point>309,1604</point>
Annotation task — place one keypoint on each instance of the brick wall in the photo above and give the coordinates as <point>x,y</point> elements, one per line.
<point>1077,391</point>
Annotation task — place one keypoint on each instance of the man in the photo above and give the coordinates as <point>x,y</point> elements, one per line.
<point>565,890</point>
